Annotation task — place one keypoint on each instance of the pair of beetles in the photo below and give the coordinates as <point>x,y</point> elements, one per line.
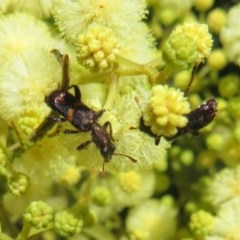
<point>84,119</point>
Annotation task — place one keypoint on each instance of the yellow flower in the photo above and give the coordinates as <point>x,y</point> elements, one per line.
<point>24,82</point>
<point>200,34</point>
<point>217,60</point>
<point>39,8</point>
<point>97,49</point>
<point>145,219</point>
<point>71,175</point>
<point>227,222</point>
<point>225,186</point>
<point>74,17</point>
<point>132,187</point>
<point>229,34</point>
<point>203,5</point>
<point>122,17</point>
<point>165,111</point>
<point>20,32</point>
<point>201,223</point>
<point>130,181</point>
<point>216,19</point>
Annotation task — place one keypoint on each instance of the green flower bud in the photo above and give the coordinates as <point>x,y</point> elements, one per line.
<point>38,214</point>
<point>203,5</point>
<point>215,141</point>
<point>217,60</point>
<point>67,224</point>
<point>18,184</point>
<point>101,196</point>
<point>233,107</point>
<point>180,52</point>
<point>216,19</point>
<point>187,157</point>
<point>201,222</point>
<point>228,85</point>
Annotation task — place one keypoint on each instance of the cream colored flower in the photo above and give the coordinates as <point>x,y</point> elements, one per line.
<point>74,17</point>
<point>97,49</point>
<point>230,35</point>
<point>123,18</point>
<point>24,82</point>
<point>227,222</point>
<point>224,186</point>
<point>38,8</point>
<point>22,31</point>
<point>152,219</point>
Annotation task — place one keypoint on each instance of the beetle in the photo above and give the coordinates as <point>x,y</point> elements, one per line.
<point>84,119</point>
<point>196,119</point>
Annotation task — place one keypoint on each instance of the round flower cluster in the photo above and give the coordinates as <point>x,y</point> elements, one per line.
<point>201,223</point>
<point>97,48</point>
<point>38,214</point>
<point>66,224</point>
<point>166,110</point>
<point>180,52</point>
<point>200,34</point>
<point>18,184</point>
<point>130,181</point>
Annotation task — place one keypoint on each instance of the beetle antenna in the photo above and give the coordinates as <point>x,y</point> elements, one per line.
<point>102,173</point>
<point>137,101</point>
<point>124,155</point>
<point>193,73</point>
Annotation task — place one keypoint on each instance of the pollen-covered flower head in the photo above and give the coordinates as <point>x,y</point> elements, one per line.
<point>227,222</point>
<point>165,111</point>
<point>24,82</point>
<point>97,48</point>
<point>121,21</point>
<point>200,34</point>
<point>230,35</point>
<point>224,186</point>
<point>22,31</point>
<point>144,220</point>
<point>75,16</point>
<point>132,187</point>
<point>39,8</point>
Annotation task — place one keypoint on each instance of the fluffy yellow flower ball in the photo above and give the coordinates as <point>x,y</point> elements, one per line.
<point>165,111</point>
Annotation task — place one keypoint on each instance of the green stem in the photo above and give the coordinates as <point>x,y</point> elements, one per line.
<point>163,75</point>
<point>24,234</point>
<point>112,92</point>
<point>6,224</point>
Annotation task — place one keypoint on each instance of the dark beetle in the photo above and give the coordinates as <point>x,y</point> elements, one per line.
<point>83,118</point>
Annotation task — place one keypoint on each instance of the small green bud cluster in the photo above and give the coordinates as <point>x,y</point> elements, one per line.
<point>18,184</point>
<point>101,196</point>
<point>67,223</point>
<point>38,214</point>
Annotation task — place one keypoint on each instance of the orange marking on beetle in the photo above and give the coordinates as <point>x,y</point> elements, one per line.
<point>70,114</point>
